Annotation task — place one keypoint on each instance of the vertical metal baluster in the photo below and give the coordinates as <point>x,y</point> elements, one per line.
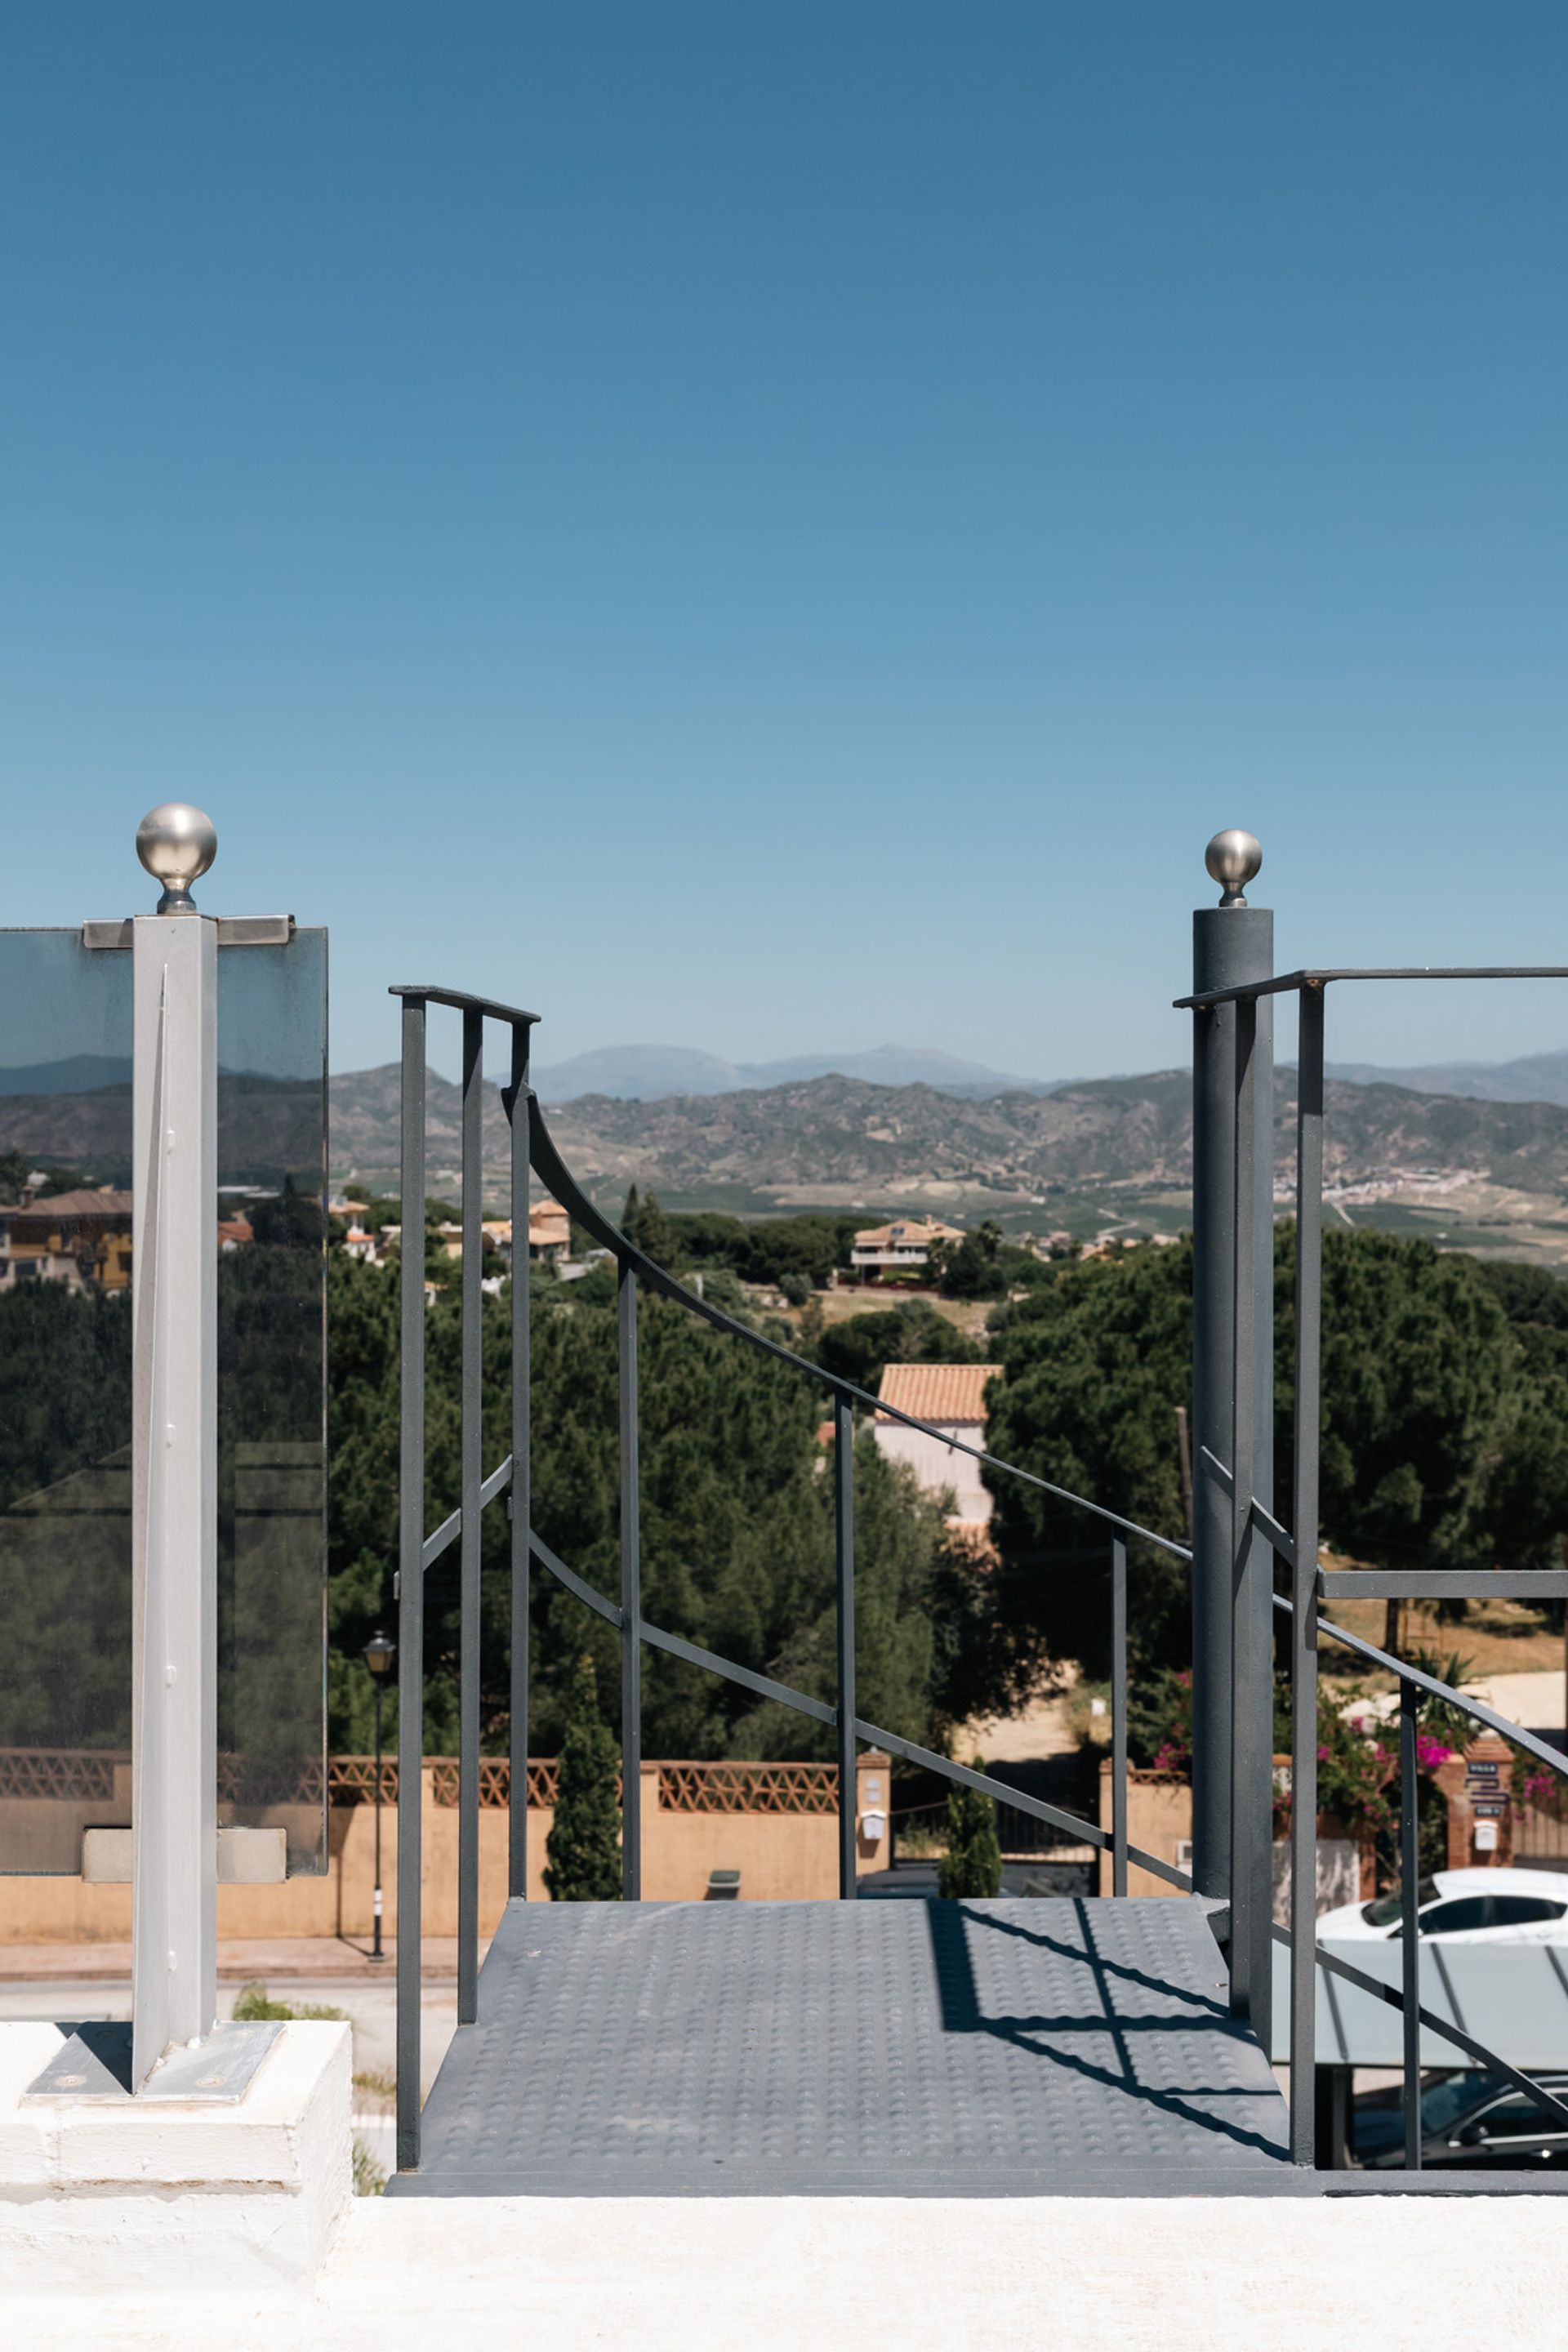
<point>1244,1696</point>
<point>844,1526</point>
<point>522,1487</point>
<point>521,1484</point>
<point>1252,1648</point>
<point>472,1537</point>
<point>410,1584</point>
<point>631,1598</point>
<point>1304,1580</point>
<point>1118,1716</point>
<point>1409,1906</point>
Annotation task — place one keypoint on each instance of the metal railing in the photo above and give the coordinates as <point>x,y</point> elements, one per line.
<point>1258,1541</point>
<point>1233,1613</point>
<point>532,1149</point>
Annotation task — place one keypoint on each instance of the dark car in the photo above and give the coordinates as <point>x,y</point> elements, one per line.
<point>1468,2120</point>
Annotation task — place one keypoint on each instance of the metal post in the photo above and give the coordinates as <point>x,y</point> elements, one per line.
<point>1232,944</point>
<point>631,1598</point>
<point>1304,1580</point>
<point>1118,1716</point>
<point>175,1456</point>
<point>844,1549</point>
<point>472,1534</point>
<point>411,1586</point>
<point>520,1500</point>
<point>376,1951</point>
<point>1252,1631</point>
<point>1409,1912</point>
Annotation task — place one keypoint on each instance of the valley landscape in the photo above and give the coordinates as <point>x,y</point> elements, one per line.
<point>1471,1171</point>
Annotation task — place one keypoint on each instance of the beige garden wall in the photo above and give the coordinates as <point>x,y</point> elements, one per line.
<point>782,1857</point>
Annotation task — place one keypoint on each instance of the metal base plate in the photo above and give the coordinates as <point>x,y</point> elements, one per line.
<point>94,2063</point>
<point>930,2048</point>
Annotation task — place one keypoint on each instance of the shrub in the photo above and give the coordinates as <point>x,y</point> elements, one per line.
<point>973,1862</point>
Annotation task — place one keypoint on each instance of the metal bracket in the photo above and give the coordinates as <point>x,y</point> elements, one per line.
<point>93,2062</point>
<point>233,931</point>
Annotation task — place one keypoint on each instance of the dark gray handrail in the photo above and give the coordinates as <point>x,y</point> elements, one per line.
<point>1287,983</point>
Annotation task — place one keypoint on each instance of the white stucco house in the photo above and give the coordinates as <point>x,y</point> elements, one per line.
<point>952,1398</point>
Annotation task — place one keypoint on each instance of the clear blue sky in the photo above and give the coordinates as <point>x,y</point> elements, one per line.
<point>770,527</point>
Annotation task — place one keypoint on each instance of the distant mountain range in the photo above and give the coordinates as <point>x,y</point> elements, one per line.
<point>839,1138</point>
<point>650,1073</point>
<point>77,1074</point>
<point>1533,1078</point>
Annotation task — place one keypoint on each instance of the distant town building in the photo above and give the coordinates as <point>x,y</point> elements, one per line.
<point>81,1238</point>
<point>548,1229</point>
<point>952,1398</point>
<point>549,1233</point>
<point>903,1246</point>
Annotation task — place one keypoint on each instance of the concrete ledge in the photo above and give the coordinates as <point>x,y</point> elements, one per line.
<point>859,2274</point>
<point>179,2196</point>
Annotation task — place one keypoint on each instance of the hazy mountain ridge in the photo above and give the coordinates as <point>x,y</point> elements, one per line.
<point>832,1133</point>
<point>649,1072</point>
<point>1530,1077</point>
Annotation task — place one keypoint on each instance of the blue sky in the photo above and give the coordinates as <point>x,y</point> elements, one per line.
<point>776,526</point>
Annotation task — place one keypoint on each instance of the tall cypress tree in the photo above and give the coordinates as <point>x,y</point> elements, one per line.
<point>973,1862</point>
<point>583,1848</point>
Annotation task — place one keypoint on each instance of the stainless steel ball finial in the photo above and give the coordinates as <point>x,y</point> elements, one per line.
<point>176,844</point>
<point>1233,857</point>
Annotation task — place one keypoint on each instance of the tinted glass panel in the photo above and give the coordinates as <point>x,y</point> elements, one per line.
<point>1518,2114</point>
<point>1455,1919</point>
<point>65,1396</point>
<point>65,1393</point>
<point>271,1151</point>
<point>1522,1910</point>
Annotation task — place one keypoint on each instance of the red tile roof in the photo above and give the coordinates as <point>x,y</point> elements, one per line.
<point>942,1393</point>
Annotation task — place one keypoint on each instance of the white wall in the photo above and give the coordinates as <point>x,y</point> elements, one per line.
<point>936,1464</point>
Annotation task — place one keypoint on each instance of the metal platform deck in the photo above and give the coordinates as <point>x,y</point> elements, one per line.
<point>1019,2047</point>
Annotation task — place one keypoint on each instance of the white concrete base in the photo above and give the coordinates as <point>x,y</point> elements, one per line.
<point>880,2275</point>
<point>173,2199</point>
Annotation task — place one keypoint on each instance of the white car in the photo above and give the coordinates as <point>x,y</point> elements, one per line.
<point>1464,1906</point>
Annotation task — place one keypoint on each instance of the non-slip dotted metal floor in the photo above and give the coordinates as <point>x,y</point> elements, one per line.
<point>925,2048</point>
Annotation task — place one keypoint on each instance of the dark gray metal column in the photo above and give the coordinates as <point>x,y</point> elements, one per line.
<point>1118,1716</point>
<point>522,1482</point>
<point>631,1598</point>
<point>843,1535</point>
<point>411,1583</point>
<point>472,1537</point>
<point>1232,944</point>
<point>1304,1579</point>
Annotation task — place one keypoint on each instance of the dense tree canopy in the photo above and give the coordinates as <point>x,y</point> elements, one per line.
<point>913,1332</point>
<point>737,1532</point>
<point>1444,1433</point>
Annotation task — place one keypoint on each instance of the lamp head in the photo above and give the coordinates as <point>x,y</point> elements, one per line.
<point>378,1654</point>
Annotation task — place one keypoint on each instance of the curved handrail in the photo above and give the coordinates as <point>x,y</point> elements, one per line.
<point>559,1180</point>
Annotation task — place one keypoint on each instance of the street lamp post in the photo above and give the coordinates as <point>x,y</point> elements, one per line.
<point>378,1656</point>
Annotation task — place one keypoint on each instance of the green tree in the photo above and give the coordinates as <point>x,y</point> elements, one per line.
<point>647,1228</point>
<point>1445,1431</point>
<point>583,1847</point>
<point>910,1333</point>
<point>973,1862</point>
<point>973,1267</point>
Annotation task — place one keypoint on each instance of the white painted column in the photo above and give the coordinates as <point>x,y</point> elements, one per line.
<point>174,1524</point>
